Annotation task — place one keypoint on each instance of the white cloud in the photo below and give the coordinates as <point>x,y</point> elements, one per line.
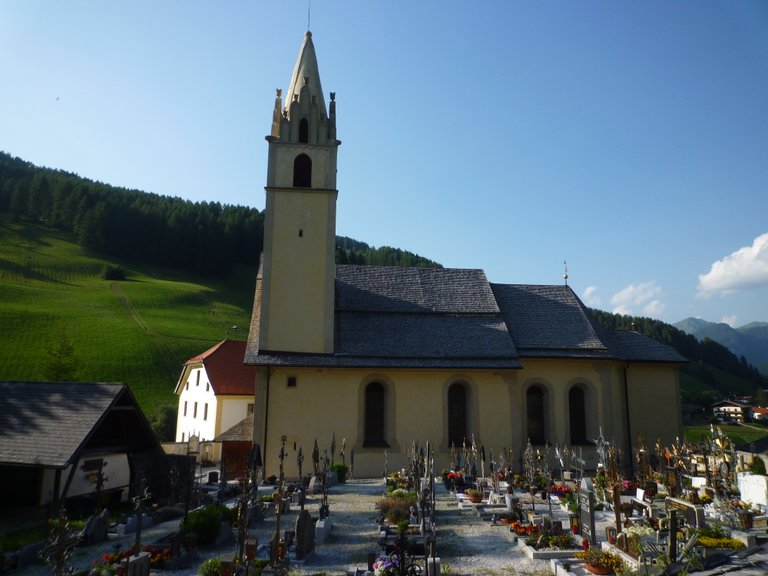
<point>745,268</point>
<point>655,309</point>
<point>638,296</point>
<point>590,296</point>
<point>730,320</point>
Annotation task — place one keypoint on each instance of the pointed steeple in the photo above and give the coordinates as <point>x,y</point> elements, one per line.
<point>296,283</point>
<point>306,73</point>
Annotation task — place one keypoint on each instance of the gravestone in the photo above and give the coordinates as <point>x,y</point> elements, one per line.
<point>754,489</point>
<point>138,564</point>
<point>305,535</point>
<point>95,530</point>
<point>313,485</point>
<point>587,511</point>
<point>694,513</point>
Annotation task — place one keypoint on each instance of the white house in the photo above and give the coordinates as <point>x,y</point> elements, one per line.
<point>730,411</point>
<point>215,392</point>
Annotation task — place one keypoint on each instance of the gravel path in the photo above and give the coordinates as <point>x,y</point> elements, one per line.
<point>465,543</point>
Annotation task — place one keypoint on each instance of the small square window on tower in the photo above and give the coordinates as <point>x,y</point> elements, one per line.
<point>291,381</point>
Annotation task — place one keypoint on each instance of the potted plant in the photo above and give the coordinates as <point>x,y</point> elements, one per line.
<point>600,561</point>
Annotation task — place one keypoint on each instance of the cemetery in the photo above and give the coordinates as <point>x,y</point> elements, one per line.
<point>684,508</point>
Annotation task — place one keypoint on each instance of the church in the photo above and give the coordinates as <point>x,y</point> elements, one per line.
<point>380,357</point>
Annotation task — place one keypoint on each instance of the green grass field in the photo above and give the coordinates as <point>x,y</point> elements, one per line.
<point>739,435</point>
<point>139,331</point>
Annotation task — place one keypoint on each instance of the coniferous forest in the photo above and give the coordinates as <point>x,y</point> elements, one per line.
<point>205,238</point>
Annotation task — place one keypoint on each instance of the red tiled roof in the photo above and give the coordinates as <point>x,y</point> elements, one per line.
<point>226,370</point>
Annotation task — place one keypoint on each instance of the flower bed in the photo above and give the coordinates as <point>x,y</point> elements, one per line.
<point>600,561</point>
<point>545,545</point>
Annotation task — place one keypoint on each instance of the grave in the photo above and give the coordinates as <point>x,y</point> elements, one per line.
<point>322,530</point>
<point>693,513</point>
<point>587,511</point>
<point>138,564</point>
<point>305,535</point>
<point>754,489</point>
<point>96,528</point>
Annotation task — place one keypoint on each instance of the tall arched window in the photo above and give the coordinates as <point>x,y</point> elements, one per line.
<point>457,414</point>
<point>302,171</point>
<point>374,416</point>
<point>535,410</point>
<point>577,415</point>
<point>303,131</point>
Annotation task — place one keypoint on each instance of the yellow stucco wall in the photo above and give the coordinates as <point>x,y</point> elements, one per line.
<point>297,309</point>
<point>328,402</point>
<point>654,400</point>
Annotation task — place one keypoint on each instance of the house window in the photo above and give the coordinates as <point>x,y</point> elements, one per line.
<point>577,415</point>
<point>207,386</point>
<point>197,375</point>
<point>92,465</point>
<point>186,386</point>
<point>194,411</point>
<point>205,411</point>
<point>374,416</point>
<point>182,436</point>
<point>302,171</point>
<point>249,410</point>
<point>535,401</point>
<point>303,131</point>
<point>457,414</point>
<point>185,407</point>
<point>291,381</point>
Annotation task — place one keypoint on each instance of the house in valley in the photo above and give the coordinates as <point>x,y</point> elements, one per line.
<point>731,411</point>
<point>215,391</point>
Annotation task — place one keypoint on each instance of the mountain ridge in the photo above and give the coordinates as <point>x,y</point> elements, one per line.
<point>749,341</point>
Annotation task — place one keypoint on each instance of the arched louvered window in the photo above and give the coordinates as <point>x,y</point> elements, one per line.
<point>535,410</point>
<point>457,414</point>
<point>577,416</point>
<point>375,397</point>
<point>303,131</point>
<point>302,171</point>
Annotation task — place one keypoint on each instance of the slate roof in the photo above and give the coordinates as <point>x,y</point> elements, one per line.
<point>544,319</point>
<point>240,432</point>
<point>224,365</point>
<point>455,318</point>
<point>49,424</point>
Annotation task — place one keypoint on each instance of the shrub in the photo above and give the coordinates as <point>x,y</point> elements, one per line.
<point>341,472</point>
<point>113,273</point>
<point>398,514</point>
<point>211,567</point>
<point>205,522</point>
<point>757,466</point>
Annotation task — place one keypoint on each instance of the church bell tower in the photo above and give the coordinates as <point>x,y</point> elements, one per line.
<point>298,269</point>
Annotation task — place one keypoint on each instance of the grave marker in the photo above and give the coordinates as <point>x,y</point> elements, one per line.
<point>587,510</point>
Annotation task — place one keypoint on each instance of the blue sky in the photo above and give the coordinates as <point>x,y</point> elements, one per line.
<point>629,139</point>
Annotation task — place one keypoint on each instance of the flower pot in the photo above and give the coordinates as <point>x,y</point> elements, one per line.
<point>598,569</point>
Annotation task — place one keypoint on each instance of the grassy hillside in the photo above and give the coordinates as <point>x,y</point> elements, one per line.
<point>139,331</point>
